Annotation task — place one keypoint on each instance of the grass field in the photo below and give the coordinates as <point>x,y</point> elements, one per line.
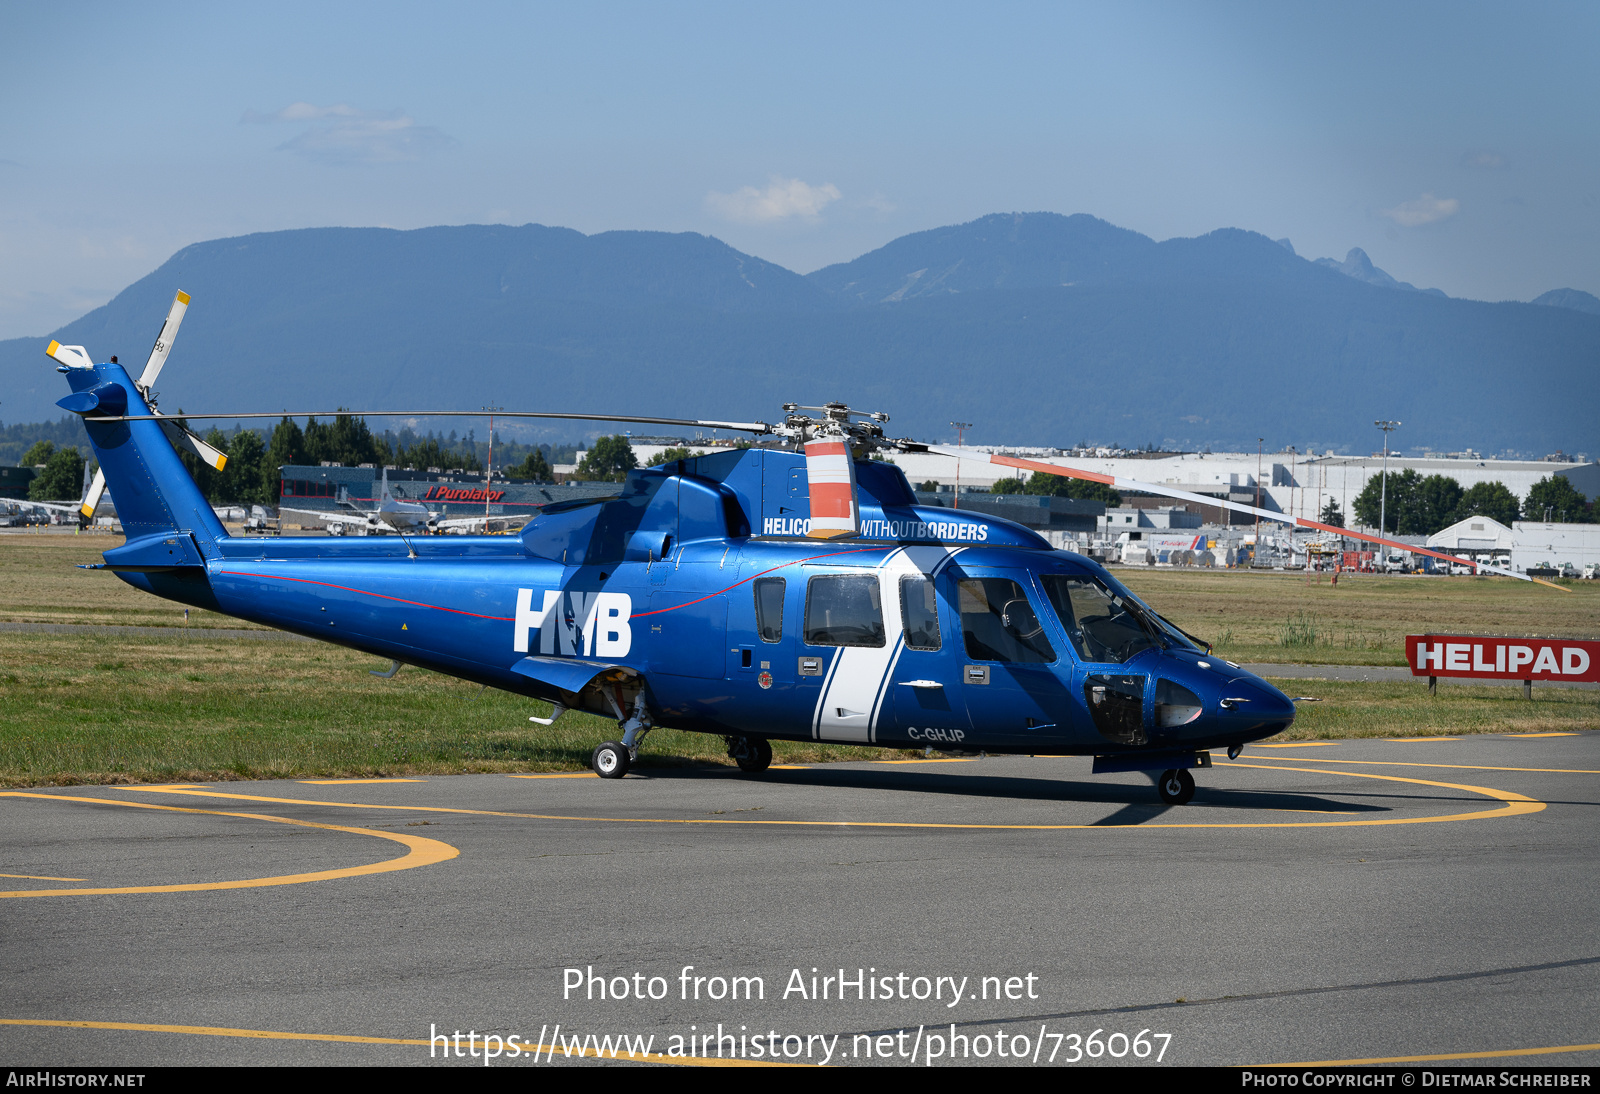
<point>40,583</point>
<point>1281,618</point>
<point>85,708</point>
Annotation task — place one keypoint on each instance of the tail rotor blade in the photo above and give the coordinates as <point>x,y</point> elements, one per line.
<point>92,496</point>
<point>182,438</point>
<point>163,346</point>
<point>831,472</point>
<point>71,356</point>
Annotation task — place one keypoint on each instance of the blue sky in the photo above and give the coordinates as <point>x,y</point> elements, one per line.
<point>1458,144</point>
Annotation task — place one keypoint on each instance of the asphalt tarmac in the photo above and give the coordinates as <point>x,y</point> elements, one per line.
<point>1338,901</point>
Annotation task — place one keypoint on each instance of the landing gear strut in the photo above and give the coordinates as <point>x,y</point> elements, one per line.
<point>613,758</point>
<point>1176,786</point>
<point>752,754</point>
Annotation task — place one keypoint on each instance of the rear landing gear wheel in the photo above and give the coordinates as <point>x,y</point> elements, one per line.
<point>610,760</point>
<point>1176,786</point>
<point>752,754</point>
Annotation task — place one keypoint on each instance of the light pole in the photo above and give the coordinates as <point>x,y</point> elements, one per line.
<point>1255,550</point>
<point>1388,427</point>
<point>488,478</point>
<point>961,429</point>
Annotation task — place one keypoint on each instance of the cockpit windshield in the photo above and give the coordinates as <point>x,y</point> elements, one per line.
<point>1105,622</point>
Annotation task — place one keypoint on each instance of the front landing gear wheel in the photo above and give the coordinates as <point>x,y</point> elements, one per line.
<point>1176,786</point>
<point>610,760</point>
<point>752,754</point>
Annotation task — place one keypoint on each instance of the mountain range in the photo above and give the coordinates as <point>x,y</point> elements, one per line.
<point>1041,329</point>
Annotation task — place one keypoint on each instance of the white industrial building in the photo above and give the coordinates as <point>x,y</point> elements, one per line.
<point>1562,546</point>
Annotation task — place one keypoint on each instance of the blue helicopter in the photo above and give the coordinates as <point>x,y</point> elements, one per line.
<point>770,593</point>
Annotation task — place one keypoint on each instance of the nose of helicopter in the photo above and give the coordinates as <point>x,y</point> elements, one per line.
<point>1202,698</point>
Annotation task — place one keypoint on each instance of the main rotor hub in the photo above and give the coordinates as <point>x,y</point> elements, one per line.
<point>863,431</point>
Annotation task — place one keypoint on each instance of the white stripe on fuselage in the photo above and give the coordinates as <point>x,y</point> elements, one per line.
<point>857,683</point>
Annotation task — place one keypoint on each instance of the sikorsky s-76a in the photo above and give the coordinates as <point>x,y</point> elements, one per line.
<point>790,593</point>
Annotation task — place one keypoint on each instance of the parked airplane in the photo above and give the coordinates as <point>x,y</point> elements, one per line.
<point>394,515</point>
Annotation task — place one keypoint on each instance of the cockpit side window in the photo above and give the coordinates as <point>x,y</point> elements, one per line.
<point>1103,626</point>
<point>998,623</point>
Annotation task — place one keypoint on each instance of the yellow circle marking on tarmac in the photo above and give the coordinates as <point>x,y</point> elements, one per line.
<point>1441,1056</point>
<point>1514,805</point>
<point>1460,767</point>
<point>43,877</point>
<point>423,852</point>
<point>527,1046</point>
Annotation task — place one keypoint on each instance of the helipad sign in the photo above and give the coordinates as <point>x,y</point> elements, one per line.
<point>1487,657</point>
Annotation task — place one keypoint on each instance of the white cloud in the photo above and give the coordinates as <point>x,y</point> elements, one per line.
<point>343,134</point>
<point>1424,210</point>
<point>1484,160</point>
<point>783,198</point>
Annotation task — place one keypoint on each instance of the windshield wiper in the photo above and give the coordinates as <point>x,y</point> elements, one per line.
<point>1141,615</point>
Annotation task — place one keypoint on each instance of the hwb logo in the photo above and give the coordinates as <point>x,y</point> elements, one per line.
<point>575,624</point>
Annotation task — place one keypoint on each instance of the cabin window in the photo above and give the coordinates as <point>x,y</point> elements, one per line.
<point>919,613</point>
<point>844,610</point>
<point>1103,626</point>
<point>998,623</point>
<point>769,608</point>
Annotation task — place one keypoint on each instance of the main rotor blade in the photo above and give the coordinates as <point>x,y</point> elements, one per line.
<point>1238,507</point>
<point>739,427</point>
<point>163,346</point>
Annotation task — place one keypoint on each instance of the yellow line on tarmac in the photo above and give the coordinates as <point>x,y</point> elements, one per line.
<point>1303,744</point>
<point>44,877</point>
<point>347,782</point>
<point>1460,767</point>
<point>1514,805</point>
<point>1442,1056</point>
<point>423,852</point>
<point>561,775</point>
<point>1516,736</point>
<point>527,1047</point>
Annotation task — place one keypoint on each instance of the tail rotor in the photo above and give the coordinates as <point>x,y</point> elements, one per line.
<point>78,357</point>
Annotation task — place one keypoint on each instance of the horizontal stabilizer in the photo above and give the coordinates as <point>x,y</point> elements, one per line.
<point>151,554</point>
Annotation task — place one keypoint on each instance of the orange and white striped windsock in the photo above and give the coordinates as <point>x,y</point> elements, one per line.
<point>832,476</point>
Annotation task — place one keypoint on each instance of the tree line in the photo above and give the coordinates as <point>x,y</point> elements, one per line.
<point>1421,506</point>
<point>250,474</point>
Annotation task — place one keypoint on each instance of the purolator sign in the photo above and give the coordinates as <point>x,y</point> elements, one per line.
<point>463,493</point>
<point>1490,657</point>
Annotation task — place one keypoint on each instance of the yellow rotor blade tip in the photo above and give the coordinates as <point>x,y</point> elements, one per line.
<point>183,297</point>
